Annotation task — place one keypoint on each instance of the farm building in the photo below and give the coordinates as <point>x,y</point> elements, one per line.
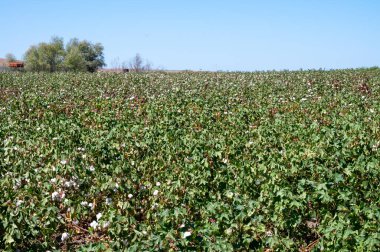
<point>14,64</point>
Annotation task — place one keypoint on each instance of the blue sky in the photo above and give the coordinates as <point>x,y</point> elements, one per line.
<point>208,35</point>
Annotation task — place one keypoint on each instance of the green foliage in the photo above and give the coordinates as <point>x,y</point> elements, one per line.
<point>46,57</point>
<point>278,161</point>
<point>83,55</point>
<point>74,60</point>
<point>51,57</point>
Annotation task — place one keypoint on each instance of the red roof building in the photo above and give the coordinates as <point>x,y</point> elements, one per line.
<point>16,64</point>
<point>13,64</point>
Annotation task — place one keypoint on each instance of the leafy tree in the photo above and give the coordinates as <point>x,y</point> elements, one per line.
<point>84,55</point>
<point>53,56</point>
<point>45,56</point>
<point>74,60</point>
<point>33,60</point>
<point>54,53</point>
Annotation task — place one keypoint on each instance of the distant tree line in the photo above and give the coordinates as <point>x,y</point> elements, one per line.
<point>76,56</point>
<point>136,64</point>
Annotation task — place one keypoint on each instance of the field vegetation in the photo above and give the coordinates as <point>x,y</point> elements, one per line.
<point>265,161</point>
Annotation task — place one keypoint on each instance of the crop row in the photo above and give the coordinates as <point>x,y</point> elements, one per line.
<point>190,161</point>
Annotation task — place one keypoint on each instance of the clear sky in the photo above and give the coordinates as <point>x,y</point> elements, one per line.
<point>205,34</point>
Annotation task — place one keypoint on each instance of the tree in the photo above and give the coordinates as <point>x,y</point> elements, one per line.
<point>54,53</point>
<point>86,53</point>
<point>53,56</point>
<point>33,60</point>
<point>137,64</point>
<point>93,54</point>
<point>10,57</point>
<point>74,60</point>
<point>45,56</point>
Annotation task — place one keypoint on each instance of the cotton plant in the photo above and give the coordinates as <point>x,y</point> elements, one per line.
<point>194,161</point>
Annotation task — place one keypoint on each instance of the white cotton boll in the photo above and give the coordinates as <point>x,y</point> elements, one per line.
<point>158,184</point>
<point>116,187</point>
<point>98,216</point>
<point>108,201</point>
<point>55,196</point>
<point>130,196</point>
<point>53,180</point>
<point>84,203</point>
<point>155,193</point>
<point>230,195</point>
<point>65,236</point>
<point>186,234</point>
<point>106,224</point>
<point>94,224</point>
<point>19,202</point>
<point>228,231</point>
<point>90,205</point>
